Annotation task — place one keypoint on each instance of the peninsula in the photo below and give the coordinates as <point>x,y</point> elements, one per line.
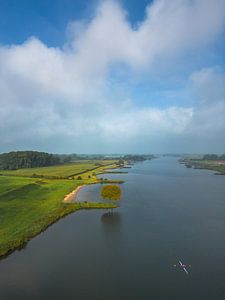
<point>33,197</point>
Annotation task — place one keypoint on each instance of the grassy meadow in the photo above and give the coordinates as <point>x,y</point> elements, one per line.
<point>64,171</point>
<point>28,205</point>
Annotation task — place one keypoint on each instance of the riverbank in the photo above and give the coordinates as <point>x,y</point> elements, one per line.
<point>29,205</point>
<point>104,255</point>
<point>217,166</point>
<point>45,222</point>
<point>71,197</point>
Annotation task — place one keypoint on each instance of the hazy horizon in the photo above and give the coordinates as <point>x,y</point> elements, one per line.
<point>117,154</point>
<point>113,76</point>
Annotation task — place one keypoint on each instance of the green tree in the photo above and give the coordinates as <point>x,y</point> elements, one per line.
<point>111,192</point>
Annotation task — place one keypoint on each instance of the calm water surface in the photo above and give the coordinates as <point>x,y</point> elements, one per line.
<point>168,212</point>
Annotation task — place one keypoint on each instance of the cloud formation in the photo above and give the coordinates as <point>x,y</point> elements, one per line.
<point>63,99</point>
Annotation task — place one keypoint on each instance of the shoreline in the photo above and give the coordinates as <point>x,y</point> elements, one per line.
<point>71,197</point>
<point>68,205</point>
<point>61,213</point>
<point>201,165</point>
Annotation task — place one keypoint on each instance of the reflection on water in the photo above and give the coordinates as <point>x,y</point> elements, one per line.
<point>111,220</point>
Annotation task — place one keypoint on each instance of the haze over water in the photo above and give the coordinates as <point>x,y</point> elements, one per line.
<point>167,213</point>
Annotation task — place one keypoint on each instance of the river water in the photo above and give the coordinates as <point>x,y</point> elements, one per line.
<point>167,212</point>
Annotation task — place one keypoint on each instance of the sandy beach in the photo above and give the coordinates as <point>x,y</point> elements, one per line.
<point>71,197</point>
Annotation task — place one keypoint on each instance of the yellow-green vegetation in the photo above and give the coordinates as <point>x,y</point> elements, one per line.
<point>111,192</point>
<point>28,205</point>
<point>214,165</point>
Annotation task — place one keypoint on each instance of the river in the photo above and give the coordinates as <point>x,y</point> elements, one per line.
<point>167,212</point>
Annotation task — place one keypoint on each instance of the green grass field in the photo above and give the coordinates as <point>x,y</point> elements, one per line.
<point>28,205</point>
<point>67,170</point>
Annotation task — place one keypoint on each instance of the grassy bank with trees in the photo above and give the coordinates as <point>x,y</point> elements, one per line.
<point>29,204</point>
<point>212,162</point>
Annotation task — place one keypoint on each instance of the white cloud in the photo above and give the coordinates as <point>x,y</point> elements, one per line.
<point>50,92</point>
<point>208,86</point>
<point>146,122</point>
<point>170,27</point>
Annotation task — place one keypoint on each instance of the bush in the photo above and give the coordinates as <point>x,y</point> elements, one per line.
<point>111,192</point>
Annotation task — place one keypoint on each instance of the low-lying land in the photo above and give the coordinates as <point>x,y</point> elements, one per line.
<point>32,199</point>
<point>214,165</point>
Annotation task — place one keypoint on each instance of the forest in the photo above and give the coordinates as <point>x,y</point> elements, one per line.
<point>27,159</point>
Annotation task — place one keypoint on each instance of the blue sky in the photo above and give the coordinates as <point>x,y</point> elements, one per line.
<point>48,19</point>
<point>112,76</point>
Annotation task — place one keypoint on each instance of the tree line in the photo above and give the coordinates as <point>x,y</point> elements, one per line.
<point>214,157</point>
<point>27,159</point>
<point>137,157</point>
